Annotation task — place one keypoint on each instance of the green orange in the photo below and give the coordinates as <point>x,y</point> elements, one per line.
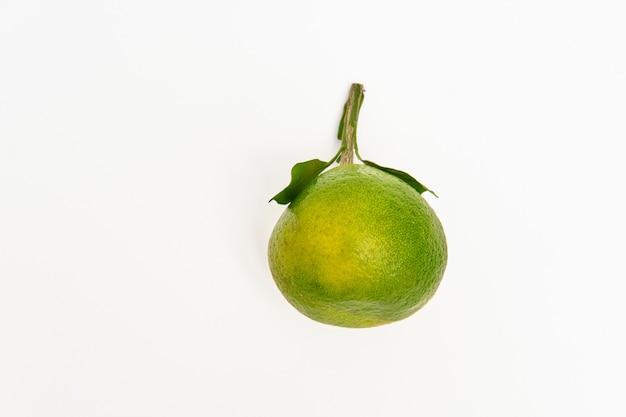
<point>358,247</point>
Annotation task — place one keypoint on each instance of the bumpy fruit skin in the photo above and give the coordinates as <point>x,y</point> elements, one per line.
<point>358,248</point>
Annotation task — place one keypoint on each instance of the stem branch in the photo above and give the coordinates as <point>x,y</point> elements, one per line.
<point>348,123</point>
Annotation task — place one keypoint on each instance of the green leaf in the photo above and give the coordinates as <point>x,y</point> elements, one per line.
<point>301,175</point>
<point>415,184</point>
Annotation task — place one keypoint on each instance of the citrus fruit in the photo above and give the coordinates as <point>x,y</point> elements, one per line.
<point>358,245</point>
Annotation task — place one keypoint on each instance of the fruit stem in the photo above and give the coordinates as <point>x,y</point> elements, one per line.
<point>348,123</point>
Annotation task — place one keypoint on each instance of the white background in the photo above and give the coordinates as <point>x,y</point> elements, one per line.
<point>140,142</point>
